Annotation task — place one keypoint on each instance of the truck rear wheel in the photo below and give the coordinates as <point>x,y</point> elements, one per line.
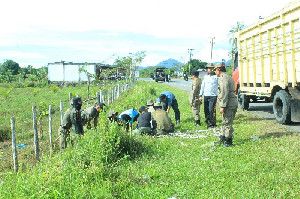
<point>243,101</point>
<point>282,107</point>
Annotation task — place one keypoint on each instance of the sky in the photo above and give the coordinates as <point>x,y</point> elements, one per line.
<point>38,32</point>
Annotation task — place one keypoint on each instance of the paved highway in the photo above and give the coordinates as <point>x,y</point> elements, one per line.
<point>261,109</point>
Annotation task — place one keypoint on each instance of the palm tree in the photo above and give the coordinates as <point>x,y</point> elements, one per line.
<point>232,40</point>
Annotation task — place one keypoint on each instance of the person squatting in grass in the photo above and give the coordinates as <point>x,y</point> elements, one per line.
<point>228,104</point>
<point>126,118</point>
<point>90,113</point>
<point>72,118</point>
<point>168,100</point>
<point>144,122</point>
<point>112,116</point>
<point>209,89</point>
<point>162,124</point>
<point>194,97</point>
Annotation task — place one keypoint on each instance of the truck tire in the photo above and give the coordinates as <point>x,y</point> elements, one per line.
<point>243,101</point>
<point>282,107</point>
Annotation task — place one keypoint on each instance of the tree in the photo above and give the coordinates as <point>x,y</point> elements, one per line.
<point>10,66</point>
<point>131,62</point>
<point>232,40</point>
<point>195,65</point>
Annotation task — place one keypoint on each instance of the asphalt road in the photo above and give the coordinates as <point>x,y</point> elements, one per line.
<point>261,109</point>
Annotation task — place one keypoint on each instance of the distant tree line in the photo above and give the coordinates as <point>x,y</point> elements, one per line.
<point>11,71</point>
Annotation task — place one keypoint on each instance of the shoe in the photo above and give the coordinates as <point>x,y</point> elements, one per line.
<point>197,123</point>
<point>222,139</point>
<point>228,142</point>
<point>177,121</point>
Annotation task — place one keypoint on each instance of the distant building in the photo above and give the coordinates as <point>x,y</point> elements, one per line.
<point>69,71</point>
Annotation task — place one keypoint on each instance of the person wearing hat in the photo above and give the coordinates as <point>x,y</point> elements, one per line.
<point>209,90</point>
<point>90,113</point>
<point>72,119</point>
<point>127,118</point>
<point>194,96</point>
<point>113,116</point>
<point>168,100</point>
<point>161,122</point>
<point>150,106</point>
<point>144,122</point>
<point>228,103</point>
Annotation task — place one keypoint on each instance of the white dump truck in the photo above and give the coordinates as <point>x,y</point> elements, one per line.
<point>267,64</point>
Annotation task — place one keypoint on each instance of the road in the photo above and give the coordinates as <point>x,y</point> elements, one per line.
<point>264,110</point>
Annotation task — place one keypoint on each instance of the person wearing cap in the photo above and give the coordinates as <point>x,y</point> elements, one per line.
<point>144,122</point>
<point>113,116</point>
<point>150,106</point>
<point>127,118</point>
<point>72,119</point>
<point>228,103</point>
<point>209,90</point>
<point>90,113</point>
<point>194,96</point>
<point>168,100</point>
<point>161,122</point>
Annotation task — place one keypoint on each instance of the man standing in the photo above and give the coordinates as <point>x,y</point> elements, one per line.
<point>209,89</point>
<point>228,104</point>
<point>162,124</point>
<point>194,97</point>
<point>168,100</point>
<point>90,113</point>
<point>72,119</point>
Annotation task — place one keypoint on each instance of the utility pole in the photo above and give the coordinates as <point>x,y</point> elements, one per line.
<point>190,50</point>
<point>212,46</point>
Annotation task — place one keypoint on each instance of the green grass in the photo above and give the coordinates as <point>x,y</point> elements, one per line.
<point>109,163</point>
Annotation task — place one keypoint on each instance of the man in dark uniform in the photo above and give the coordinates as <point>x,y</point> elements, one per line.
<point>194,97</point>
<point>228,104</point>
<point>161,122</point>
<point>113,116</point>
<point>144,122</point>
<point>168,100</point>
<point>71,119</point>
<point>90,113</point>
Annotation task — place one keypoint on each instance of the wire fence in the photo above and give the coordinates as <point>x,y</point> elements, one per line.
<point>30,145</point>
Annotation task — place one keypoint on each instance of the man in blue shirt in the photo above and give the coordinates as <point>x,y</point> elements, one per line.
<point>209,89</point>
<point>168,100</point>
<point>128,117</point>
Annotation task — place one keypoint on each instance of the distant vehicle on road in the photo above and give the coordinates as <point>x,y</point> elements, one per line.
<point>160,75</point>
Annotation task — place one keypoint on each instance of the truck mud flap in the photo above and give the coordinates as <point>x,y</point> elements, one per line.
<point>295,110</point>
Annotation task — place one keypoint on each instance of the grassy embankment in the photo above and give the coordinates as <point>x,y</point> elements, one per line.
<point>108,163</point>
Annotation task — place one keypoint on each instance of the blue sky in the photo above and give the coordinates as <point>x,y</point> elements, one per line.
<point>35,32</point>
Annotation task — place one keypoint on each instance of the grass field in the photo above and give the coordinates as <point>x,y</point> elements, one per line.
<point>109,163</point>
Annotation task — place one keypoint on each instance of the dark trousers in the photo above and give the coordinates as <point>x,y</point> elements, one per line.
<point>210,110</point>
<point>174,106</point>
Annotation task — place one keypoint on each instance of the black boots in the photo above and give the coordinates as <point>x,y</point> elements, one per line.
<point>197,123</point>
<point>228,142</point>
<point>222,139</point>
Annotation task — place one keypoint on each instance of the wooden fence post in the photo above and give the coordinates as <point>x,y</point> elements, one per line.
<point>14,148</point>
<point>70,98</point>
<point>36,135</point>
<point>101,96</point>
<point>61,111</point>
<point>98,97</point>
<point>108,98</point>
<point>50,129</point>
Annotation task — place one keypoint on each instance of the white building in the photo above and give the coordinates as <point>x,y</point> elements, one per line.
<point>69,71</point>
